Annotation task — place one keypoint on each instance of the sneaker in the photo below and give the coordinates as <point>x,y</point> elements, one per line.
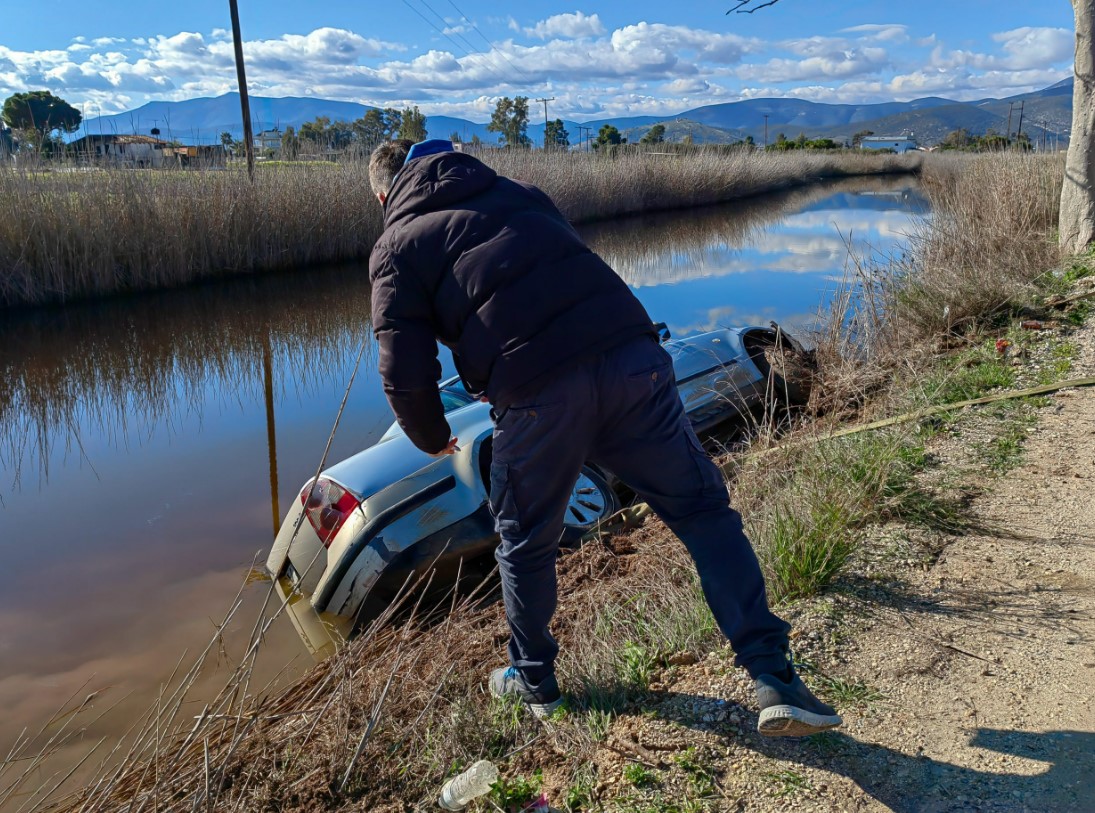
<point>789,709</point>
<point>543,699</point>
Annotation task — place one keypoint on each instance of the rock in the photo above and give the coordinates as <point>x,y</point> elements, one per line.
<point>682,659</point>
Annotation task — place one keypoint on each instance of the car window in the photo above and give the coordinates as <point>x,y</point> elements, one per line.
<point>451,400</point>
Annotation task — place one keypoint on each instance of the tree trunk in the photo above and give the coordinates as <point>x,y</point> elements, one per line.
<point>1077,223</point>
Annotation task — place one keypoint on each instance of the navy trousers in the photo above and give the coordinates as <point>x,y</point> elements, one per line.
<point>620,410</point>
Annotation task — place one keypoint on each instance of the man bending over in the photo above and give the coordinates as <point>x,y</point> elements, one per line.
<point>541,327</point>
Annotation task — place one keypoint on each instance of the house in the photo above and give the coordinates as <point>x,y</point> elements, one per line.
<point>268,140</point>
<point>199,157</point>
<point>903,143</point>
<point>130,151</point>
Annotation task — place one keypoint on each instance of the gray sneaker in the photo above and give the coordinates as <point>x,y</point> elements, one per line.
<point>543,699</point>
<point>789,709</point>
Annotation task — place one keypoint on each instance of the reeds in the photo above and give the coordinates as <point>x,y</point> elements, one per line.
<point>383,723</point>
<point>74,232</point>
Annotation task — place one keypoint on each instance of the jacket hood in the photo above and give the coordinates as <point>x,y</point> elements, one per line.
<point>435,182</point>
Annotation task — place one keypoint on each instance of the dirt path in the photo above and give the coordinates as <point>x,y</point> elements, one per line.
<point>969,686</point>
<point>997,714</point>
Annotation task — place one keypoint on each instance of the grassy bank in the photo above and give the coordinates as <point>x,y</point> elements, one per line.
<point>71,234</point>
<point>382,724</point>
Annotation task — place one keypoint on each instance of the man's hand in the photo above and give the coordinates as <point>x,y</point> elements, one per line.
<point>451,448</point>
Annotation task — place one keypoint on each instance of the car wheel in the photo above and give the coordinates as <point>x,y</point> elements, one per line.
<point>591,501</point>
<point>788,374</point>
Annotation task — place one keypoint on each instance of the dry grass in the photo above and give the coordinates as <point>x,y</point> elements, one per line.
<point>384,722</point>
<point>71,234</point>
<point>989,241</point>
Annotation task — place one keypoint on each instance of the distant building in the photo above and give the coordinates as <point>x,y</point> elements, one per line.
<point>214,155</point>
<point>141,152</point>
<point>268,140</point>
<point>131,151</point>
<point>895,143</point>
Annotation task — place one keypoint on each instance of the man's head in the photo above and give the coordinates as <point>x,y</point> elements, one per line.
<point>385,163</point>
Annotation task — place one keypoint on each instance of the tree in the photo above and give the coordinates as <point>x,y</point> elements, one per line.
<point>1076,225</point>
<point>392,120</point>
<point>607,136</point>
<point>371,129</point>
<point>959,139</point>
<point>454,137</point>
<point>226,140</point>
<point>555,136</point>
<point>315,131</point>
<point>290,144</point>
<point>655,135</point>
<point>412,125</point>
<point>37,114</point>
<point>857,138</point>
<point>510,120</point>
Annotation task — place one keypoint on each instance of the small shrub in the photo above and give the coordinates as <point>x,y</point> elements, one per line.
<point>514,794</point>
<point>639,776</point>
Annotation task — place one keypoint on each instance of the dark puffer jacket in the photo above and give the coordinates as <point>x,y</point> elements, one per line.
<point>492,269</point>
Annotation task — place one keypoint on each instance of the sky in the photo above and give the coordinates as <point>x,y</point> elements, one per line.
<point>597,59</point>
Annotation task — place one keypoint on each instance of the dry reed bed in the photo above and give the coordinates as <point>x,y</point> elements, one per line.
<point>71,234</point>
<point>384,722</point>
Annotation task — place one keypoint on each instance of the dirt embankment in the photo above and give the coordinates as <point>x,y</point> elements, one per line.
<point>965,667</point>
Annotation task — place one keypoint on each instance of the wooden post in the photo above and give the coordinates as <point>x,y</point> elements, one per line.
<point>245,104</point>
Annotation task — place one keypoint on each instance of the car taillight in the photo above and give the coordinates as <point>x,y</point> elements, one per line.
<point>328,506</point>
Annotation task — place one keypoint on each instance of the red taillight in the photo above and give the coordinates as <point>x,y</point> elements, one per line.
<point>328,506</point>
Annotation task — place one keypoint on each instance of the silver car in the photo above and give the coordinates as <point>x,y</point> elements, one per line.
<point>352,538</point>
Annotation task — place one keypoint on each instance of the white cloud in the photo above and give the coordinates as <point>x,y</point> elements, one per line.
<point>572,26</point>
<point>892,33</point>
<point>832,65</point>
<point>1036,47</point>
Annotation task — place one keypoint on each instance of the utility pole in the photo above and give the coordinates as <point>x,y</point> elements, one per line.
<point>1022,105</point>
<point>583,134</point>
<point>245,104</point>
<point>1011,106</point>
<point>545,101</point>
<point>765,131</point>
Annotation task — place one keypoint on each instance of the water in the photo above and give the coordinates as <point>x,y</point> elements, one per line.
<point>148,444</point>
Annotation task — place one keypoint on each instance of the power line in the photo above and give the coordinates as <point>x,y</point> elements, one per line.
<point>462,38</point>
<point>471,48</point>
<point>485,39</point>
<point>490,68</point>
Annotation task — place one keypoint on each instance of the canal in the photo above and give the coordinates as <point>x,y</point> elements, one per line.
<point>150,444</point>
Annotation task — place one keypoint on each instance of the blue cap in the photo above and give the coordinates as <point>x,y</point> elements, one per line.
<point>430,146</point>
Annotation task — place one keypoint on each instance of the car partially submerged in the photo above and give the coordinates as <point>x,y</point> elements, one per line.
<point>354,535</point>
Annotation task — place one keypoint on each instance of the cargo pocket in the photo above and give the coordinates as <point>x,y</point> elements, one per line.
<point>709,475</point>
<point>501,503</point>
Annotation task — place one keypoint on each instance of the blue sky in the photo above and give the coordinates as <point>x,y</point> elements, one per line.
<point>456,57</point>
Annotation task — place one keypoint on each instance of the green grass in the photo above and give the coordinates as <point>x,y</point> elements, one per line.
<point>839,691</point>
<point>787,781</point>
<point>1005,451</point>
<point>971,375</point>
<point>514,794</point>
<point>808,551</point>
<point>701,779</point>
<point>639,776</point>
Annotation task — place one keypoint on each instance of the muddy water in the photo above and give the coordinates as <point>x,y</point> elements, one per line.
<point>148,444</point>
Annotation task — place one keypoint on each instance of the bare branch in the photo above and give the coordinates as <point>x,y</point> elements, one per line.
<point>743,6</point>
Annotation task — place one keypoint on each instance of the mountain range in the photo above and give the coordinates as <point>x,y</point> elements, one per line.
<point>1047,111</point>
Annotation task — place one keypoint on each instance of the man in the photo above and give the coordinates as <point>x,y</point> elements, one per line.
<point>541,327</point>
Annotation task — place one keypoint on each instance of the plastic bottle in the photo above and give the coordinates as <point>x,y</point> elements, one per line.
<point>474,782</point>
